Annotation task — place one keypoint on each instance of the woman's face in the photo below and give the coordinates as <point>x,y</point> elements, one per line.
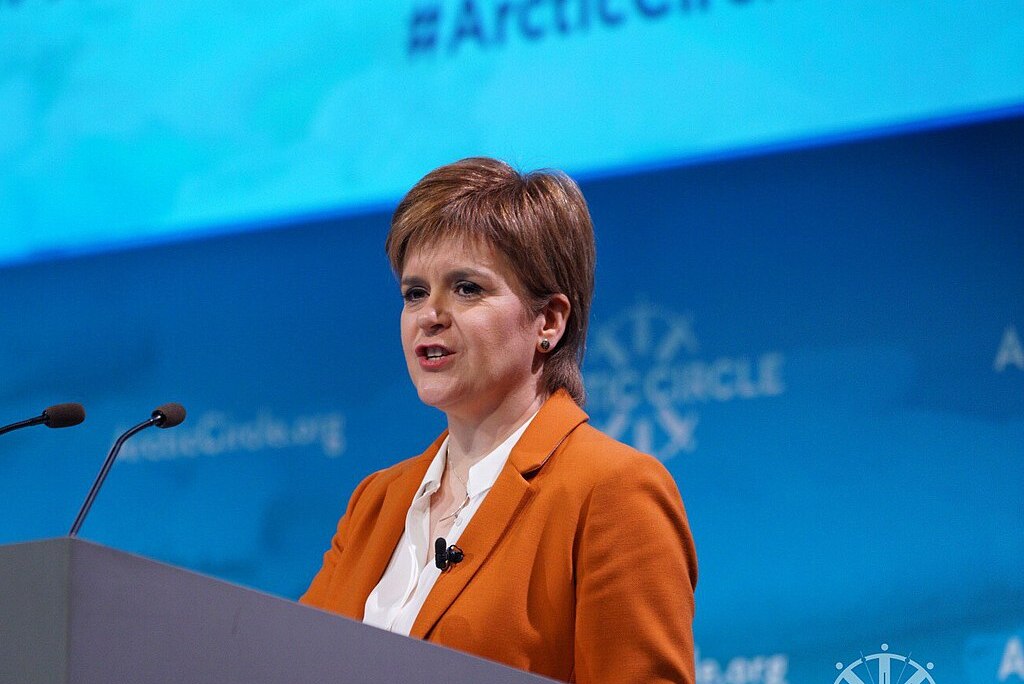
<point>470,343</point>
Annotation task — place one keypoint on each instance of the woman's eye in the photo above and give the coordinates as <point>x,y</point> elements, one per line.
<point>468,289</point>
<point>413,294</point>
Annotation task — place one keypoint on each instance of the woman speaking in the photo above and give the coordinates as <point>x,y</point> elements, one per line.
<point>522,534</point>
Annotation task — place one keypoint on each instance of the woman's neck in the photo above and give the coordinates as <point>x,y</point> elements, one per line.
<point>472,438</point>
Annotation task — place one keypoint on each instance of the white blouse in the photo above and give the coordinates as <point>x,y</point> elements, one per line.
<point>396,600</point>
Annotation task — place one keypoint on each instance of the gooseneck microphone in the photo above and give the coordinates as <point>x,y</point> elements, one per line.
<point>166,416</point>
<point>57,416</point>
<point>446,556</point>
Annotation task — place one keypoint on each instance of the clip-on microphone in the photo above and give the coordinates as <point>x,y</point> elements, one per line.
<point>446,556</point>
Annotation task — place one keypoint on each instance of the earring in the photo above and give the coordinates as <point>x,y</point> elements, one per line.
<point>545,345</point>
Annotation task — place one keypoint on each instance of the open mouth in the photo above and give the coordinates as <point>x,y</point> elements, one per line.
<point>432,352</point>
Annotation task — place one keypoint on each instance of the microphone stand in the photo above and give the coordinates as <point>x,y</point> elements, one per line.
<point>111,457</point>
<point>25,423</point>
<point>165,416</point>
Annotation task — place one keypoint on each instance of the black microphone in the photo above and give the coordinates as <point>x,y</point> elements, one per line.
<point>57,416</point>
<point>446,556</point>
<point>166,416</point>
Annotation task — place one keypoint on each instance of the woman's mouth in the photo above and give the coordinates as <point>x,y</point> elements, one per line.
<point>434,352</point>
<point>433,356</point>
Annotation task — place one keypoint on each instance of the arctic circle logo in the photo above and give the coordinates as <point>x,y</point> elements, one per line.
<point>646,377</point>
<point>879,667</point>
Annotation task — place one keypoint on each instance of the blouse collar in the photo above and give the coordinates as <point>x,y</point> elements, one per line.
<point>482,474</point>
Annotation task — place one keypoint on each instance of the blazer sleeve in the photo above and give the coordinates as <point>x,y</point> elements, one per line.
<point>636,572</point>
<point>316,594</point>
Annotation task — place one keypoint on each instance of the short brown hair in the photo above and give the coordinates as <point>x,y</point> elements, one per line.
<point>538,221</point>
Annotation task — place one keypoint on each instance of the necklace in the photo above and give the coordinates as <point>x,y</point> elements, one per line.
<point>462,506</point>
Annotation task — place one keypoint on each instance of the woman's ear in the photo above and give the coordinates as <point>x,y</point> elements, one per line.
<point>554,317</point>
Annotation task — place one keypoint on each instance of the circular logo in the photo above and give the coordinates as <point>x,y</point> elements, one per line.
<point>884,668</point>
<point>631,374</point>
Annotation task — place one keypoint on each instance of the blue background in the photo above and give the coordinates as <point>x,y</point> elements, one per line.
<point>836,295</point>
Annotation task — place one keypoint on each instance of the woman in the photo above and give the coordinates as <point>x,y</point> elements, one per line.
<point>577,560</point>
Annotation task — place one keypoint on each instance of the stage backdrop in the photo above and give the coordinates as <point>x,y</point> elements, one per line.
<point>810,289</point>
<point>823,346</point>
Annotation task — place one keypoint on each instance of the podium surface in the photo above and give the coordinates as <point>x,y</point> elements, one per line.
<point>74,612</point>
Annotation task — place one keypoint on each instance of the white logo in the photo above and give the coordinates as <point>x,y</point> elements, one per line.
<point>1010,352</point>
<point>646,379</point>
<point>1012,662</point>
<point>879,668</point>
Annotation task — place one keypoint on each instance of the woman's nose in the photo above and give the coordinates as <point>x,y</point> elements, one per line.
<point>434,315</point>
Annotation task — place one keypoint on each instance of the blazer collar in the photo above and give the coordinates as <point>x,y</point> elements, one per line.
<point>558,417</point>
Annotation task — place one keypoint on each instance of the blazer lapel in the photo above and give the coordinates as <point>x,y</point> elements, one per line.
<point>386,531</point>
<point>511,493</point>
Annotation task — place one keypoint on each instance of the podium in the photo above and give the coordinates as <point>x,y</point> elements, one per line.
<point>74,612</point>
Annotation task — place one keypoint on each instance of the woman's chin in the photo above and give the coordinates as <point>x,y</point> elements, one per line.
<point>437,397</point>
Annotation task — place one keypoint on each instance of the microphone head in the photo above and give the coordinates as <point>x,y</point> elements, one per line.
<point>63,415</point>
<point>168,415</point>
<point>440,553</point>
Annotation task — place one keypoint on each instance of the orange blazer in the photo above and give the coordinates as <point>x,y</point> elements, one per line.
<point>579,564</point>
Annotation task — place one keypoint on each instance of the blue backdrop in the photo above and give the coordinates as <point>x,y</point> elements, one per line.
<point>822,345</point>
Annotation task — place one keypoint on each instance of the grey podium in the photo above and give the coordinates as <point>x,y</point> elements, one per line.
<point>74,612</point>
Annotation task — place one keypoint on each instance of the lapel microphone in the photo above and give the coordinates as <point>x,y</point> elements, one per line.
<point>446,556</point>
